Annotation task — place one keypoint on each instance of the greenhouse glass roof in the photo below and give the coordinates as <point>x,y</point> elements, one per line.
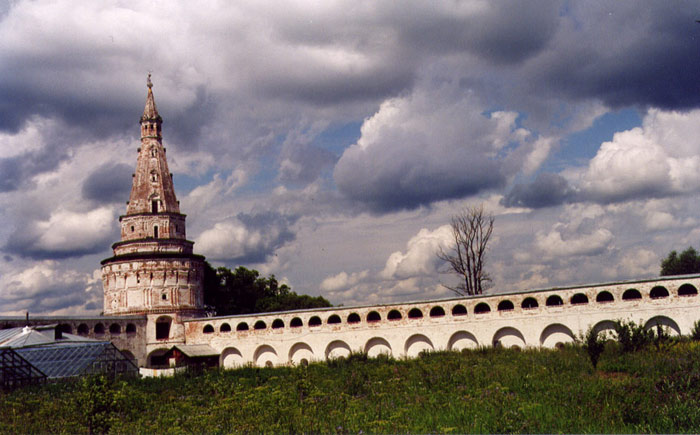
<point>75,359</point>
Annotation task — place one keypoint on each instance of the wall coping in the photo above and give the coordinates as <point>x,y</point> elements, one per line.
<point>453,299</point>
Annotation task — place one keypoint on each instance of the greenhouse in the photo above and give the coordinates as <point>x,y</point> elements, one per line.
<point>28,354</point>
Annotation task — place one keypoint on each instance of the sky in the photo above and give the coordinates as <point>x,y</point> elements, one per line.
<point>330,142</point>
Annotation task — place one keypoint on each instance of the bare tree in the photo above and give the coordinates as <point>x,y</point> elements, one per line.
<point>471,230</point>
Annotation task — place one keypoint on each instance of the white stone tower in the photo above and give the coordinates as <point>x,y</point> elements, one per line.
<point>153,270</point>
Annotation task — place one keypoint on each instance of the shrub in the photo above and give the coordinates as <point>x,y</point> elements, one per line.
<point>661,336</point>
<point>594,345</point>
<point>95,398</point>
<point>631,336</point>
<point>695,333</point>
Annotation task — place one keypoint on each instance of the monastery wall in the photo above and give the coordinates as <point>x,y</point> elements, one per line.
<point>525,319</point>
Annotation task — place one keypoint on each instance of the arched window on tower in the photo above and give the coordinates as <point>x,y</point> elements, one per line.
<point>154,206</point>
<point>155,231</point>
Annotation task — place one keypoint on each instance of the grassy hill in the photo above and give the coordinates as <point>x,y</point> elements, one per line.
<point>488,390</point>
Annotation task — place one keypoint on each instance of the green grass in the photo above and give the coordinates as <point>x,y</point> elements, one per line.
<point>489,390</point>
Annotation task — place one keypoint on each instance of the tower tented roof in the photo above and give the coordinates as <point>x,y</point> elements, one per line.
<point>152,189</point>
<point>150,112</point>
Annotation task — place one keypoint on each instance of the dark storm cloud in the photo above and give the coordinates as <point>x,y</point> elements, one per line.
<point>17,171</point>
<point>624,54</point>
<point>408,185</point>
<point>547,190</point>
<point>184,126</point>
<point>99,112</point>
<point>332,88</point>
<point>274,226</point>
<point>62,234</point>
<point>301,164</point>
<point>109,183</point>
<point>27,245</point>
<point>432,145</point>
<point>502,32</point>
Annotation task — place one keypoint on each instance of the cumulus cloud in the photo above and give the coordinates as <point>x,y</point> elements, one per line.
<point>65,234</point>
<point>640,263</point>
<point>582,233</point>
<point>48,288</point>
<point>593,243</point>
<point>420,257</point>
<point>343,281</point>
<point>246,238</point>
<point>425,147</point>
<point>659,158</point>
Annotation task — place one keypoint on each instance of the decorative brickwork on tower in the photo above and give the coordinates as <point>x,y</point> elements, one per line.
<point>153,270</point>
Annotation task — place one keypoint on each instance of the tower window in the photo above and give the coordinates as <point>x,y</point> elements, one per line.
<point>155,232</point>
<point>154,177</point>
<point>164,297</point>
<point>154,206</point>
<point>132,228</point>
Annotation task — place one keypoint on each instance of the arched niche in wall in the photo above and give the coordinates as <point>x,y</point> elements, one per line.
<point>505,305</point>
<point>394,315</point>
<point>604,297</point>
<point>554,301</point>
<point>482,308</point>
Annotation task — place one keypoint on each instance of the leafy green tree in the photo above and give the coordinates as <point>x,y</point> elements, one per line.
<point>244,291</point>
<point>686,263</point>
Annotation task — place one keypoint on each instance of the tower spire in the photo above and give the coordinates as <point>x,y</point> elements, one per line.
<point>152,189</point>
<point>150,112</point>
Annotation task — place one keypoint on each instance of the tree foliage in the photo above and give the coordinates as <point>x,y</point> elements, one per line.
<point>471,231</point>
<point>244,291</point>
<point>686,263</point>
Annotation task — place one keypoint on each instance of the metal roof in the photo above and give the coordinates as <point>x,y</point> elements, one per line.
<point>196,350</point>
<point>37,336</point>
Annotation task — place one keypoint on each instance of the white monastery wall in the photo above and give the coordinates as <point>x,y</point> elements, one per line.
<point>525,319</point>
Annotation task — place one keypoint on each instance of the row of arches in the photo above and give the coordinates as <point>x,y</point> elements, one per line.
<point>98,329</point>
<point>302,353</point>
<point>335,319</point>
<point>603,296</point>
<point>437,311</point>
<point>552,336</point>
